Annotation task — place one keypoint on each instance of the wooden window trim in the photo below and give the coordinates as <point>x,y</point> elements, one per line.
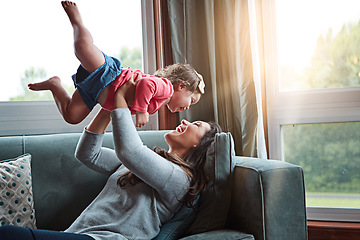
<point>320,230</point>
<point>167,120</point>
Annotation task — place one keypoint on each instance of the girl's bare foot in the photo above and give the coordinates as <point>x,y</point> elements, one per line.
<point>73,12</point>
<point>45,85</point>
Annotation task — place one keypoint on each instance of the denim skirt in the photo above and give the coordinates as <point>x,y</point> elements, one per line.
<point>90,85</point>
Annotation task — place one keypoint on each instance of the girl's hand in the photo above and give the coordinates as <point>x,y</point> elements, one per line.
<point>141,118</point>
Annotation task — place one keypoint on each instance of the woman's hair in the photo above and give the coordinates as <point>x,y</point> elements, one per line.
<point>181,73</point>
<point>193,164</point>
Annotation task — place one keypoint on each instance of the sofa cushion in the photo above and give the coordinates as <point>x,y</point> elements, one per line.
<point>16,197</point>
<point>178,224</point>
<point>220,234</point>
<point>63,187</point>
<point>215,199</point>
<point>268,199</point>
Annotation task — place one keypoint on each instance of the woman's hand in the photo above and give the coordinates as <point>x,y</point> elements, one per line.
<point>102,119</point>
<point>122,93</point>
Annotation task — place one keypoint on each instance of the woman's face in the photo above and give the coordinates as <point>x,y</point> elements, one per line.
<point>186,136</point>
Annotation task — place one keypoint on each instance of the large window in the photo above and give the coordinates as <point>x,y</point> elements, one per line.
<point>37,43</point>
<point>330,156</point>
<point>318,44</point>
<point>313,96</point>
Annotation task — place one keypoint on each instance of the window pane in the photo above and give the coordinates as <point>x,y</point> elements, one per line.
<point>330,156</point>
<point>37,41</point>
<point>318,44</point>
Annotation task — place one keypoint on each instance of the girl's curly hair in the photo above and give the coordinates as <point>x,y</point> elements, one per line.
<point>181,73</point>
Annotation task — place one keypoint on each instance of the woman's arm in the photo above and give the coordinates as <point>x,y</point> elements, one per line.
<point>89,149</point>
<point>100,122</point>
<point>120,100</point>
<point>153,169</point>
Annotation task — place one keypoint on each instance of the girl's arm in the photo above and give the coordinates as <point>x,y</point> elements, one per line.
<point>149,88</point>
<point>89,149</point>
<point>150,167</point>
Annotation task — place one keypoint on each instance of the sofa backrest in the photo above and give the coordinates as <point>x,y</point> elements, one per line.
<point>62,186</point>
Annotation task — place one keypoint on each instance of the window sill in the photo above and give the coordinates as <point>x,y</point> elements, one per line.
<point>43,117</point>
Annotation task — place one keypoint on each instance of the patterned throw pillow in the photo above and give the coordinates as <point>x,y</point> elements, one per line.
<point>16,197</point>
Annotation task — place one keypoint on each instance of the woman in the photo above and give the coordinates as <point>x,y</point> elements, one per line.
<point>144,189</point>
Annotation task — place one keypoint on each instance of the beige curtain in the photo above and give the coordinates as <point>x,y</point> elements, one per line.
<point>219,38</point>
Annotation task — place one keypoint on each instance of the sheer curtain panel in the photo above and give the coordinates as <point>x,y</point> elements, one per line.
<point>219,38</point>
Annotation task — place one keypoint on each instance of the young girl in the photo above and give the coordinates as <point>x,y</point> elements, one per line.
<point>97,78</point>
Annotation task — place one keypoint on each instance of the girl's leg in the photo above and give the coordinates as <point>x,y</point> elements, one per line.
<point>73,109</point>
<point>88,54</point>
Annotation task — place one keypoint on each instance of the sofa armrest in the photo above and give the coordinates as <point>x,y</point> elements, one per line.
<point>268,199</point>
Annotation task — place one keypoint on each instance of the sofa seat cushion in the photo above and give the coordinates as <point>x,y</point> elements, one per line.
<point>224,234</point>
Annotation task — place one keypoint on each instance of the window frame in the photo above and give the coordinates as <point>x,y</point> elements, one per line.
<point>43,117</point>
<point>300,107</point>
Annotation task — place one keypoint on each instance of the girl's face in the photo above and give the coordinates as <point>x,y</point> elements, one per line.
<point>186,136</point>
<point>182,99</point>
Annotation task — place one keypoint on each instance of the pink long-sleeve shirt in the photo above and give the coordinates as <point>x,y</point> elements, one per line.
<point>150,94</point>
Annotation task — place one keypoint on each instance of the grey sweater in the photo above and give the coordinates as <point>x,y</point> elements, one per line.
<point>136,211</point>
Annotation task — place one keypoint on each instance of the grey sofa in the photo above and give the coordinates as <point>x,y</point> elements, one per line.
<point>266,197</point>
